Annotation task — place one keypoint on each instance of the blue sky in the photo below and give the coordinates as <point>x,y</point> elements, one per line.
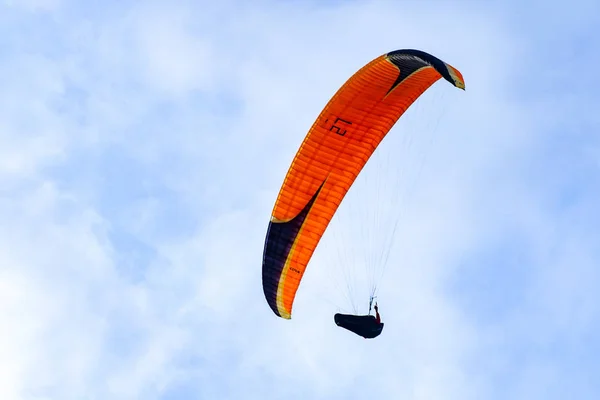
<point>142,145</point>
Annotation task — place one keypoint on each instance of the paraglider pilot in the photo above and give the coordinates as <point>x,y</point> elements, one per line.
<point>367,326</point>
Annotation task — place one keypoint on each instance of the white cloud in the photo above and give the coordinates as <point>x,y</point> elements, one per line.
<point>140,167</point>
<point>34,5</point>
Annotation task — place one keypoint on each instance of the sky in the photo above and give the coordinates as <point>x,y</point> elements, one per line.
<point>143,144</point>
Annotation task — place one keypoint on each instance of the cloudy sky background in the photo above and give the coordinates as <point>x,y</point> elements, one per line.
<point>142,145</point>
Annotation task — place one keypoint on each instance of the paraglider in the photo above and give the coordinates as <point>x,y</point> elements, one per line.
<point>367,326</point>
<point>333,153</point>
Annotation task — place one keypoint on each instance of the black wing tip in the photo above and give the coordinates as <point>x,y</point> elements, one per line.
<point>440,66</point>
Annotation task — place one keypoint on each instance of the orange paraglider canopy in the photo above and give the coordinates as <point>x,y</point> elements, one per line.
<point>333,153</point>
